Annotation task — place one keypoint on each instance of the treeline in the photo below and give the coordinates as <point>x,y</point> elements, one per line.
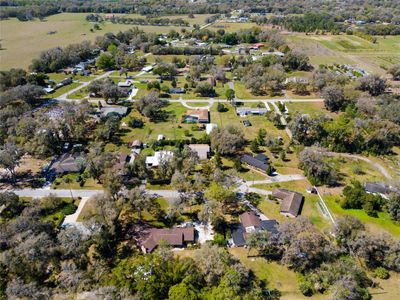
<point>57,58</point>
<point>339,10</point>
<point>309,22</point>
<point>138,21</point>
<point>149,21</point>
<point>381,29</point>
<point>27,13</point>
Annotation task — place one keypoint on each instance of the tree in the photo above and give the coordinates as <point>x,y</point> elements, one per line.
<point>230,94</point>
<point>254,147</point>
<point>333,97</point>
<point>28,93</point>
<point>183,291</point>
<point>112,182</point>
<point>98,161</point>
<point>297,61</point>
<point>11,205</point>
<point>395,71</point>
<point>316,168</point>
<point>205,89</point>
<point>226,140</point>
<point>10,157</point>
<point>393,206</point>
<point>220,194</point>
<point>150,106</point>
<point>261,135</point>
<point>105,61</point>
<point>139,201</point>
<point>373,84</point>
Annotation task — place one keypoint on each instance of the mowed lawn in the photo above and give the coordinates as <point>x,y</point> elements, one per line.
<point>23,41</point>
<point>348,49</point>
<point>310,208</point>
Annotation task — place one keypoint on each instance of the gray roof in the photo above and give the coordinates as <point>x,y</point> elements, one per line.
<point>238,235</point>
<point>254,162</point>
<point>68,163</point>
<point>270,226</point>
<point>251,111</point>
<point>120,110</point>
<point>376,188</point>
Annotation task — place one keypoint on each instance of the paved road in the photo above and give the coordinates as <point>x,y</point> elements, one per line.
<point>64,96</point>
<point>39,193</point>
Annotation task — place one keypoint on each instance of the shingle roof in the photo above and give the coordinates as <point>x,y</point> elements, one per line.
<point>249,219</point>
<point>252,161</point>
<point>291,201</point>
<point>270,226</point>
<point>68,163</point>
<point>174,237</point>
<point>238,232</point>
<point>376,187</point>
<point>201,114</point>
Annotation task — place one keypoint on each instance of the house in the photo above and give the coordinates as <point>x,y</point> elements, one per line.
<point>154,161</point>
<point>276,53</point>
<point>125,84</point>
<point>147,69</point>
<point>48,89</point>
<point>292,202</point>
<point>377,188</point>
<point>136,144</point>
<point>113,110</point>
<point>176,91</point>
<point>210,127</point>
<point>211,80</point>
<point>196,116</point>
<point>249,223</point>
<point>294,80</point>
<point>256,46</point>
<point>176,237</point>
<point>122,159</point>
<point>65,81</point>
<point>68,163</point>
<point>202,150</point>
<point>244,111</point>
<point>258,164</point>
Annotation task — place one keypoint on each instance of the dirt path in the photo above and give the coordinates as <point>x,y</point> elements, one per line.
<point>376,165</point>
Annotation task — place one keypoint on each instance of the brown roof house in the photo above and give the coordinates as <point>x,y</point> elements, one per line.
<point>250,222</point>
<point>176,237</point>
<point>196,116</point>
<point>68,163</point>
<point>292,202</point>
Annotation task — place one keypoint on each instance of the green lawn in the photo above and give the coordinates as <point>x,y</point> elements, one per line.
<point>58,92</point>
<point>68,181</point>
<point>307,108</point>
<point>344,49</point>
<point>382,223</point>
<point>310,207</point>
<point>171,128</point>
<point>68,207</point>
<point>275,275</point>
<point>243,93</point>
<point>24,41</point>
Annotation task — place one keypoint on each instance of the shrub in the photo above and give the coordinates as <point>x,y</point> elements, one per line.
<point>381,273</point>
<point>305,286</point>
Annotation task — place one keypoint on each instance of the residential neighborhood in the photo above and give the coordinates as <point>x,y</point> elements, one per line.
<point>200,150</point>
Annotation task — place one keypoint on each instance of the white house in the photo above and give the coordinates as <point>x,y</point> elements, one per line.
<point>210,127</point>
<point>154,161</point>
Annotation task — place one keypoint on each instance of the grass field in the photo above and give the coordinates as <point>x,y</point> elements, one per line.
<point>347,49</point>
<point>381,224</point>
<point>23,41</point>
<point>310,207</point>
